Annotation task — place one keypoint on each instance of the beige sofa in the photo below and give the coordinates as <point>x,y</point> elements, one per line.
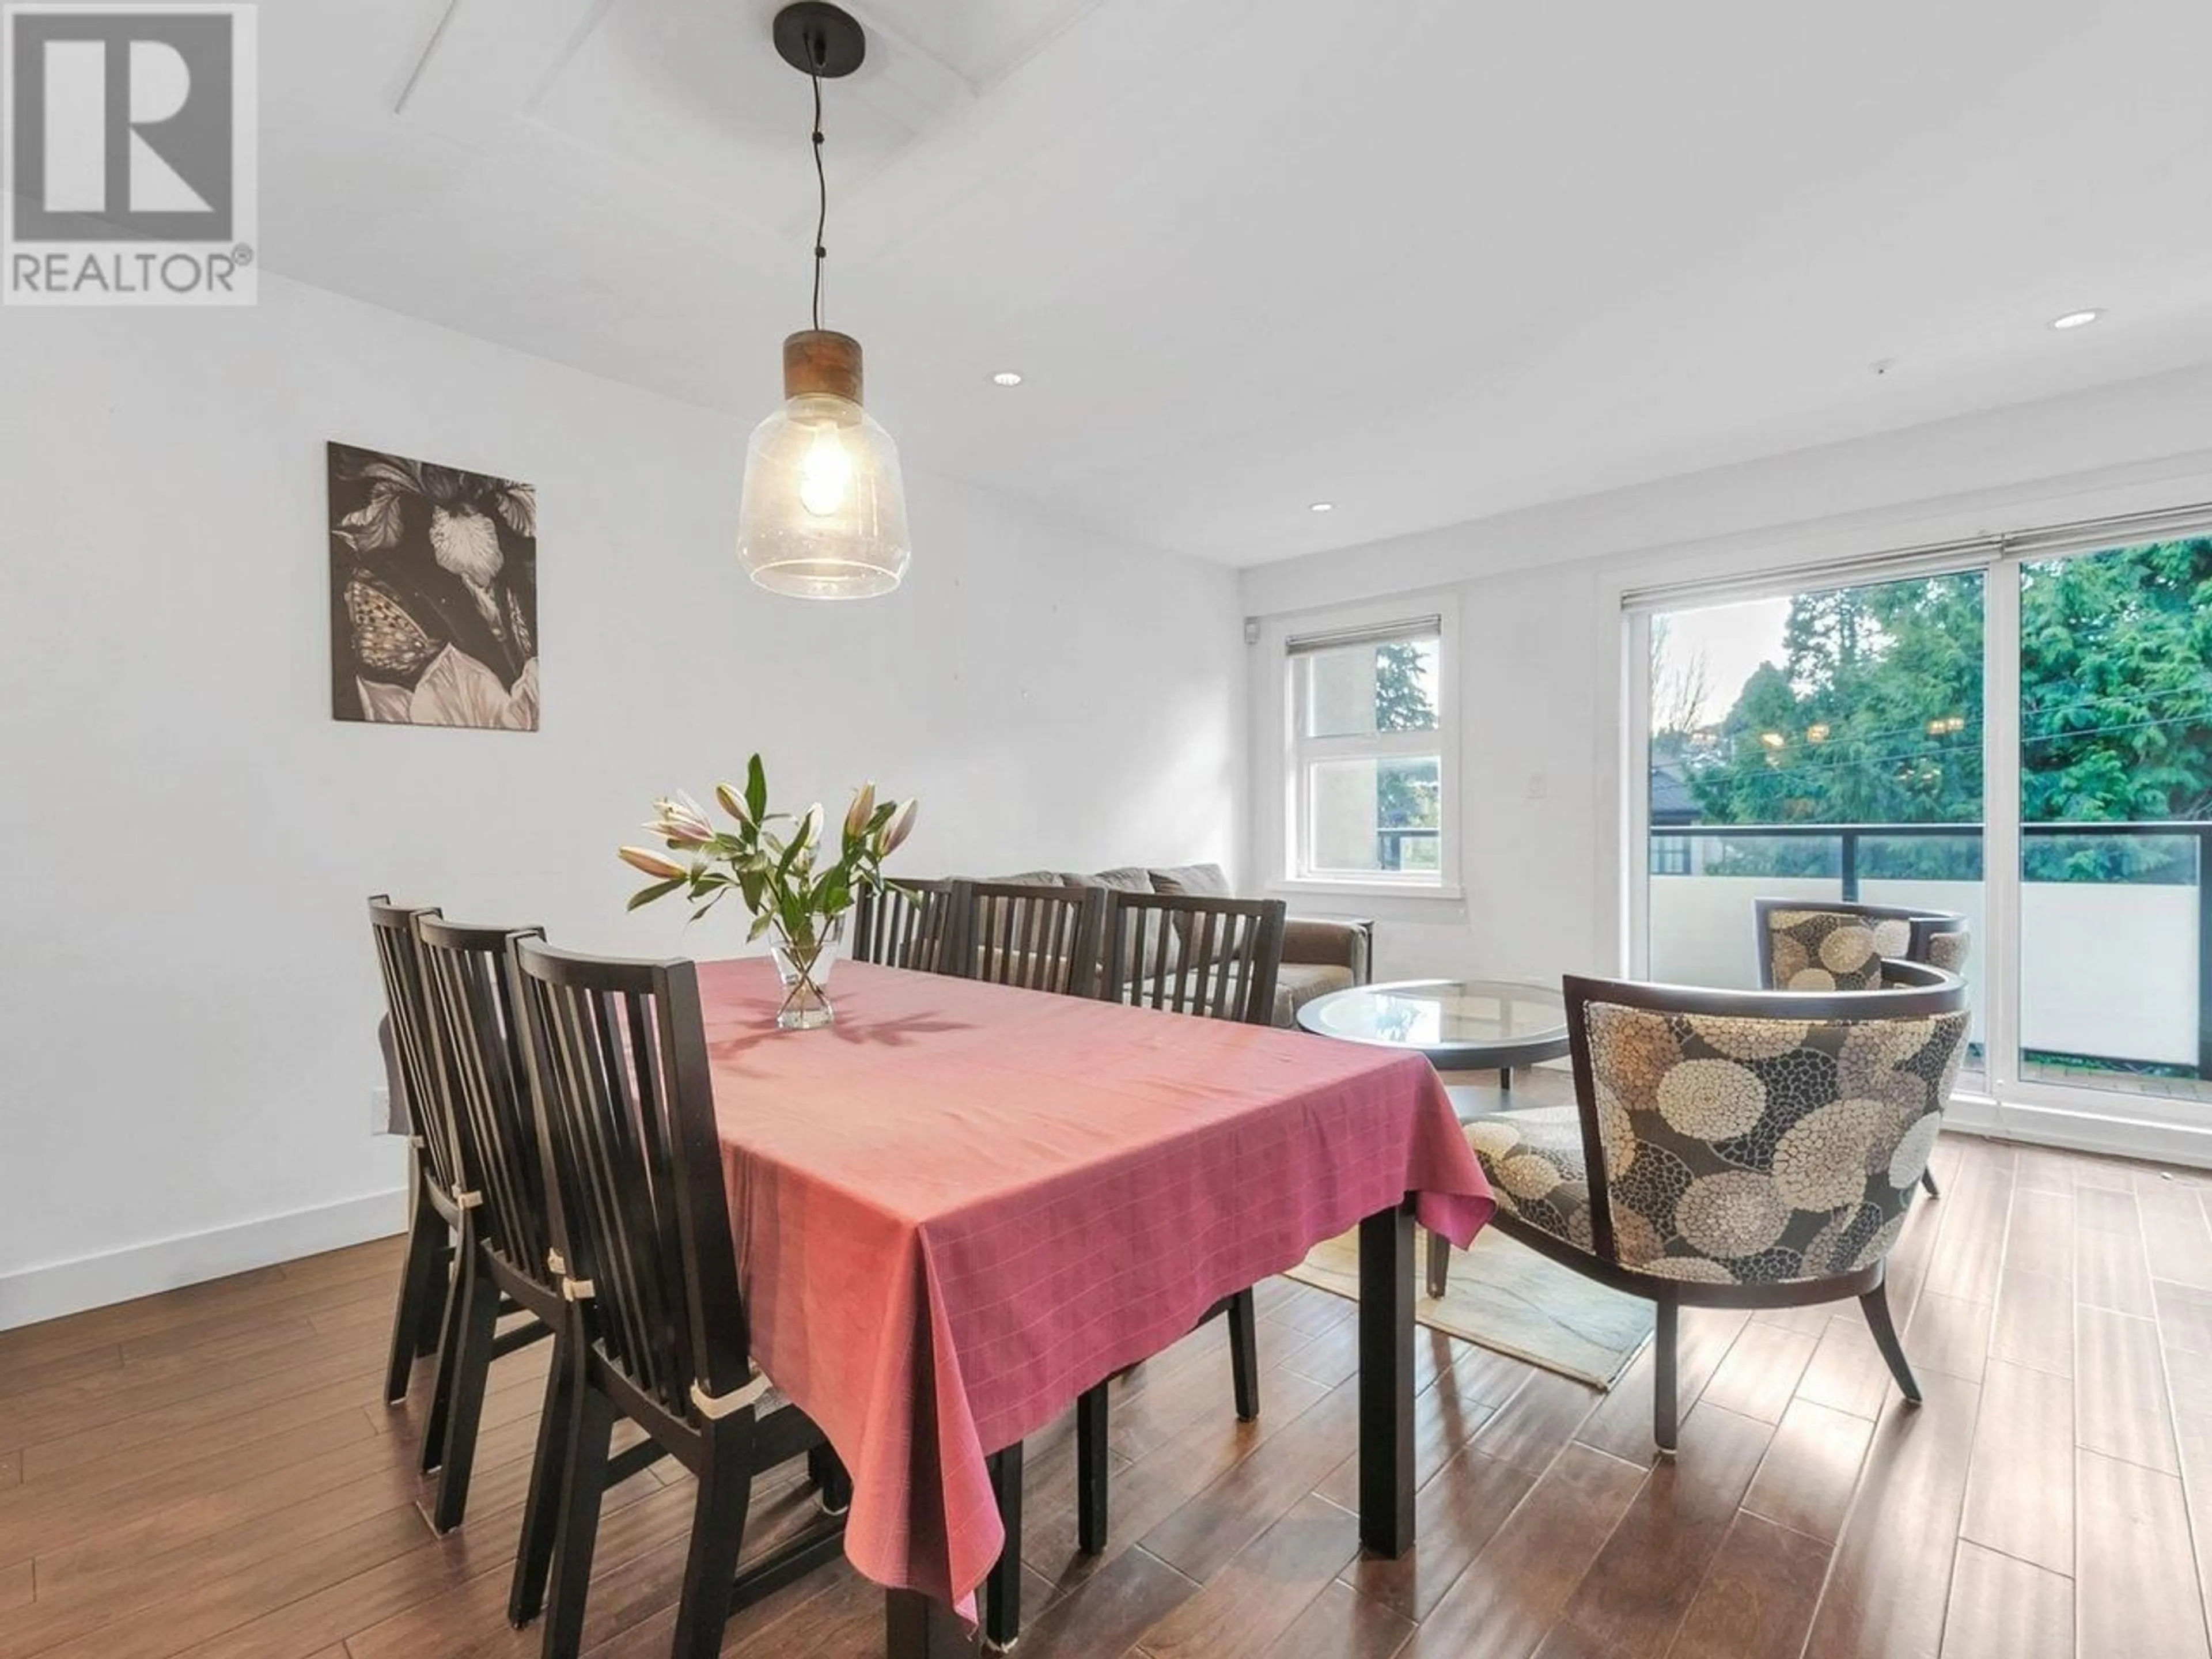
<point>1318,955</point>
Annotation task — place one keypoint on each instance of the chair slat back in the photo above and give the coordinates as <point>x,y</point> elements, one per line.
<point>1215,957</point>
<point>1036,938</point>
<point>1760,1137</point>
<point>429,1097</point>
<point>479,1039</point>
<point>618,1067</point>
<point>909,925</point>
<point>1835,945</point>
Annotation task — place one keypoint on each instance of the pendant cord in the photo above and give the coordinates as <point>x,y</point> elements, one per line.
<point>814,53</point>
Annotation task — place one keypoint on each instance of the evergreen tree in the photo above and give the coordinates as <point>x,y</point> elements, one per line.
<point>1874,714</point>
<point>1406,793</point>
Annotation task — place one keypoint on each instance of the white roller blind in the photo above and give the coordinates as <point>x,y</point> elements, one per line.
<point>1929,559</point>
<point>1932,559</point>
<point>1413,627</point>
<point>2125,530</point>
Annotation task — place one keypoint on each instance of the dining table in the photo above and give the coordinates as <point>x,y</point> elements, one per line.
<point>960,1205</point>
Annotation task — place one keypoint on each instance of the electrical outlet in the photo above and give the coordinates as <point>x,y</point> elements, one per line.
<point>1539,786</point>
<point>379,1110</point>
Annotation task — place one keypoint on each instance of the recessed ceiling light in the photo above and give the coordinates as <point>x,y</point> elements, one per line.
<point>2076,318</point>
<point>1006,377</point>
<point>1322,507</point>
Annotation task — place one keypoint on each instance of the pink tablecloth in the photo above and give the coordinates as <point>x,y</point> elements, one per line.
<point>961,1206</point>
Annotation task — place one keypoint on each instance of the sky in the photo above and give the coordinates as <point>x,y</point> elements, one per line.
<point>1734,639</point>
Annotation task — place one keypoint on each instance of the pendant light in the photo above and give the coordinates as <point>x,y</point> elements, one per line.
<point>824,515</point>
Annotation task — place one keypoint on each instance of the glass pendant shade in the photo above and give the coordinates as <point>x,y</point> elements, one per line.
<point>823,515</point>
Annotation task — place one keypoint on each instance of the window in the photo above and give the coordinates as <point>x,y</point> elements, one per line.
<point>1368,730</point>
<point>1824,743</point>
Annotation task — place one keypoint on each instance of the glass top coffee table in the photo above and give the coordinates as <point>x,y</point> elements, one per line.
<point>1462,1025</point>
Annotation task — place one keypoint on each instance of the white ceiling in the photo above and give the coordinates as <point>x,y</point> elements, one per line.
<point>1431,260</point>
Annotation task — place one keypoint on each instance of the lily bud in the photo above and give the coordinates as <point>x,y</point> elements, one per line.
<point>900,825</point>
<point>681,823</point>
<point>652,864</point>
<point>862,809</point>
<point>733,803</point>
<point>810,827</point>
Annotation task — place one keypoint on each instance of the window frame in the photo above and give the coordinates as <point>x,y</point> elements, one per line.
<point>1298,753</point>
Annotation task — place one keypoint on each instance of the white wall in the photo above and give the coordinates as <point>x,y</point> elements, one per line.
<point>1543,696</point>
<point>186,837</point>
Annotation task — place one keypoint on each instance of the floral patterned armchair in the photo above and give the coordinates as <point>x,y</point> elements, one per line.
<point>1734,1148</point>
<point>1838,945</point>
<point>1831,944</point>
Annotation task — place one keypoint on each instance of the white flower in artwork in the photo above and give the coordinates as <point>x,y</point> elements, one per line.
<point>435,570</point>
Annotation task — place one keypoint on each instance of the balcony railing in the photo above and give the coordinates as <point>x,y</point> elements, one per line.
<point>1393,848</point>
<point>2115,964</point>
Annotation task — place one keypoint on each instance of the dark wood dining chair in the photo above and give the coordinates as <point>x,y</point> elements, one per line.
<point>433,1215</point>
<point>1734,1149</point>
<point>1218,958</point>
<point>908,924</point>
<point>1839,944</point>
<point>1213,958</point>
<point>655,1329</point>
<point>1210,958</point>
<point>504,1233</point>
<point>1036,938</point>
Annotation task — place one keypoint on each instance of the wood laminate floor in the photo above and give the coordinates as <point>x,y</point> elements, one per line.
<point>210,1473</point>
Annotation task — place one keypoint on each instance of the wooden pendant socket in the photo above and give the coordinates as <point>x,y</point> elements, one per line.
<point>819,360</point>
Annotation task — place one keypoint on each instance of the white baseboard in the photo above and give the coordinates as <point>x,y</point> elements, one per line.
<point>94,1281</point>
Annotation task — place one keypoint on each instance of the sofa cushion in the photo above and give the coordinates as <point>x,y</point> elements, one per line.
<point>1028,879</point>
<point>1142,951</point>
<point>1127,879</point>
<point>1193,881</point>
<point>1297,984</point>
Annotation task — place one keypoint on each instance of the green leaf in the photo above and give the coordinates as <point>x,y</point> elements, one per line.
<point>757,789</point>
<point>646,896</point>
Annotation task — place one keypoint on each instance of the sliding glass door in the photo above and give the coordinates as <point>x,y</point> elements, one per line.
<point>2026,740</point>
<point>1821,744</point>
<point>2115,747</point>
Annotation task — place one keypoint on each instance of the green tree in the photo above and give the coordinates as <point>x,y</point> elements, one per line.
<point>1402,700</point>
<point>2116,706</point>
<point>1406,792</point>
<point>1874,714</point>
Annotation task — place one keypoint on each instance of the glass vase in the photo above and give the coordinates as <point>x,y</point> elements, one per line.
<point>804,968</point>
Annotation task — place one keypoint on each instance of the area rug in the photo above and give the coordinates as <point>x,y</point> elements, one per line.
<point>1503,1295</point>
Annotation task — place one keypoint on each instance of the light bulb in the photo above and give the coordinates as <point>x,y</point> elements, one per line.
<point>826,475</point>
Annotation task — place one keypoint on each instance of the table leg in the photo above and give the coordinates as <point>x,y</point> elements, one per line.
<point>1386,1381</point>
<point>918,1626</point>
<point>1439,1266</point>
<point>1002,1590</point>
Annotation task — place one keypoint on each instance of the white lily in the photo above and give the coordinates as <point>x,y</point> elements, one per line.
<point>900,825</point>
<point>810,827</point>
<point>862,809</point>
